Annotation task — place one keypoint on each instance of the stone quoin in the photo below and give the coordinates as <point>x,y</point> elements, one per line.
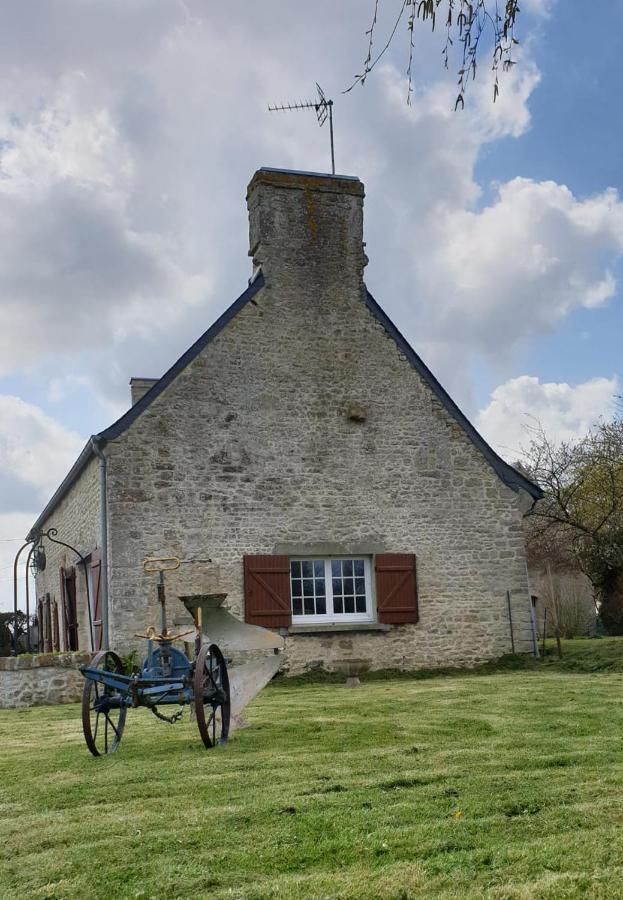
<point>306,457</point>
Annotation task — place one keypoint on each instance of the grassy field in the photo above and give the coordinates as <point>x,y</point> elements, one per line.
<point>503,785</point>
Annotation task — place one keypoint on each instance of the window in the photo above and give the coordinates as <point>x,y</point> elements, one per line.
<point>331,590</point>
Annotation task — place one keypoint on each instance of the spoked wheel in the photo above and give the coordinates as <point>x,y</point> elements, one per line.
<point>103,714</point>
<point>211,693</point>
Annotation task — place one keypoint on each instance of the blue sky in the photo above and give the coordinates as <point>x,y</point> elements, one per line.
<point>574,138</point>
<point>130,128</point>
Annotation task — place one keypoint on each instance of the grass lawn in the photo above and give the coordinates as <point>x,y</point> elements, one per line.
<point>507,784</point>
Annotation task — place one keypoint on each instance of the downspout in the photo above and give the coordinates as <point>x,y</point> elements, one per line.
<point>104,539</point>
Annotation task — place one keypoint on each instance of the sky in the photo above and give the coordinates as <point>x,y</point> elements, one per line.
<point>129,130</point>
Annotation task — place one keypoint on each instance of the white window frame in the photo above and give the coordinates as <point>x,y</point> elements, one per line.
<point>332,618</point>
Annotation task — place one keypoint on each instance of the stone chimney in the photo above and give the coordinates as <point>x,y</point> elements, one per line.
<point>307,225</point>
<point>140,386</point>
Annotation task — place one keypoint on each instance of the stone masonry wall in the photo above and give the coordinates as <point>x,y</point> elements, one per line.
<point>252,450</point>
<point>76,519</point>
<point>41,680</point>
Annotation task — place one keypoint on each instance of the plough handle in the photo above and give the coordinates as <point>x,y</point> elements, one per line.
<point>161,563</point>
<point>152,635</point>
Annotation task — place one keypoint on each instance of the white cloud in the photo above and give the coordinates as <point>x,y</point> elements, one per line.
<point>467,280</point>
<point>76,270</point>
<point>35,454</point>
<point>13,529</point>
<point>538,7</point>
<point>564,411</point>
<point>68,137</point>
<point>124,157</point>
<point>59,388</point>
<point>521,265</point>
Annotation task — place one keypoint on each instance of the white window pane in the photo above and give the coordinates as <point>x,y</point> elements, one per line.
<point>343,594</point>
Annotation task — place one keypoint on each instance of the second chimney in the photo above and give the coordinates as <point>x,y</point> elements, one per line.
<point>139,387</point>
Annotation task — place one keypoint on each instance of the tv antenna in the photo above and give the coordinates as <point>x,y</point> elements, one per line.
<point>324,111</point>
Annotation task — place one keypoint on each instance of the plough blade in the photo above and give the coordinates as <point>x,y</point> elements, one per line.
<point>237,639</point>
<point>246,681</point>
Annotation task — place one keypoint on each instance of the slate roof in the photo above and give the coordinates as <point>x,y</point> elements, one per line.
<point>509,475</point>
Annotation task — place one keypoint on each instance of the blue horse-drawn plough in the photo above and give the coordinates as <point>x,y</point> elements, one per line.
<point>167,678</point>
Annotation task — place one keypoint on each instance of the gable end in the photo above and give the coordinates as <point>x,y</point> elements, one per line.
<point>510,476</point>
<point>146,400</point>
<point>118,427</point>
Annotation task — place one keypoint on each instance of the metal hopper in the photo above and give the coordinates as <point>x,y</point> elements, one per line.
<point>254,653</point>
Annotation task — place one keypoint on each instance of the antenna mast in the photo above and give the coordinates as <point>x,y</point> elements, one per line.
<point>324,111</point>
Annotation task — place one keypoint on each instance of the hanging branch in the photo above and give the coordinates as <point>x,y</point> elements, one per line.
<point>370,63</point>
<point>466,22</point>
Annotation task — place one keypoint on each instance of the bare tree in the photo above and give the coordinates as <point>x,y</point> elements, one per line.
<point>554,607</point>
<point>567,598</point>
<point>582,510</point>
<point>468,23</point>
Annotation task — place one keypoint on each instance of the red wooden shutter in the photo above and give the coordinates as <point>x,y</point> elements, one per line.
<point>64,611</point>
<point>72,608</point>
<point>68,603</point>
<point>40,626</point>
<point>56,646</point>
<point>396,588</point>
<point>267,591</point>
<point>47,624</point>
<point>96,598</point>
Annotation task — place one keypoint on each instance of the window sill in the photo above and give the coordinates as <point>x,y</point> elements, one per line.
<point>330,628</point>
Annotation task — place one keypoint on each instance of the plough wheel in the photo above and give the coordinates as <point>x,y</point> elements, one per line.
<point>211,694</point>
<point>102,725</point>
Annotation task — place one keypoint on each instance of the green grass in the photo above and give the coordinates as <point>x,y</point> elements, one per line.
<point>505,785</point>
<point>587,655</point>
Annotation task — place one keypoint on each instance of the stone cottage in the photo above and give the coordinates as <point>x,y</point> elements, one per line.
<point>301,458</point>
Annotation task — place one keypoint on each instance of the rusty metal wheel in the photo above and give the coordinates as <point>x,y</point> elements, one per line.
<point>211,696</point>
<point>103,710</point>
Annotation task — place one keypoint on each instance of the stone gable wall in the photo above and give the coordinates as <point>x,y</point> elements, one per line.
<point>252,449</point>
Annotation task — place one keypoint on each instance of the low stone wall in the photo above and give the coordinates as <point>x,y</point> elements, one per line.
<point>41,679</point>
